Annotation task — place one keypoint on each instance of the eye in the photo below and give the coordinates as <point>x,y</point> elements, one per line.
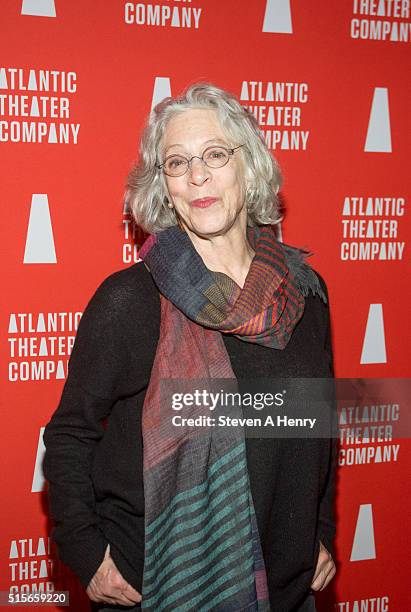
<point>175,162</point>
<point>215,154</point>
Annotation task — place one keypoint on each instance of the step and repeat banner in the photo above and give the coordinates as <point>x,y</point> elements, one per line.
<point>329,82</point>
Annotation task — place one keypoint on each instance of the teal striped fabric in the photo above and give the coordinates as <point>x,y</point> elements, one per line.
<point>202,547</point>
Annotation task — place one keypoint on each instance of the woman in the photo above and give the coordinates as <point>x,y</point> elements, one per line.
<point>223,522</point>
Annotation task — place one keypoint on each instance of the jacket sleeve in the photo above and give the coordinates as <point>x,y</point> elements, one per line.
<point>101,367</point>
<point>70,438</point>
<point>327,526</point>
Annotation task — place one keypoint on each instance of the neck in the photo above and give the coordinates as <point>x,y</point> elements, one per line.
<point>230,253</point>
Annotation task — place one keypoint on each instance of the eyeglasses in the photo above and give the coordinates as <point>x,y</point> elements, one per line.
<point>213,157</point>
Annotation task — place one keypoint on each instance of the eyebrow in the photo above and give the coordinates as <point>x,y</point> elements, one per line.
<point>212,140</point>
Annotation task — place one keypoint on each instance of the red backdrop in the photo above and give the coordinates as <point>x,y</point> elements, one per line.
<point>329,82</point>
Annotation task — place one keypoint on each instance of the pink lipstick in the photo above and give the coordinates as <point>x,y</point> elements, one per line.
<point>203,202</point>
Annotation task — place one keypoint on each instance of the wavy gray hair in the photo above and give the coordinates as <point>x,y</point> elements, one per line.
<point>147,195</point>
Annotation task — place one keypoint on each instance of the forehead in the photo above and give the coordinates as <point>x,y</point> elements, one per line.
<point>193,127</point>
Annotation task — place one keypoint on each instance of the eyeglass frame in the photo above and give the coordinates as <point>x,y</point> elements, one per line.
<point>230,152</point>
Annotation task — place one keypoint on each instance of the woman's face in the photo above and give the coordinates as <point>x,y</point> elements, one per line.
<point>209,201</point>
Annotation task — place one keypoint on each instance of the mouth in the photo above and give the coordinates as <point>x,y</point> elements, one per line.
<point>203,202</point>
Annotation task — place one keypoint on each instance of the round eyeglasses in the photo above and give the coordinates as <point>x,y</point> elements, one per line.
<point>213,157</point>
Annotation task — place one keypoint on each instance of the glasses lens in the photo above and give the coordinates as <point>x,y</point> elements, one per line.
<point>175,165</point>
<point>216,157</point>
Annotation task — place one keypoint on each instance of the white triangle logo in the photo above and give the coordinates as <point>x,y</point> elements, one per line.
<point>373,348</point>
<point>243,95</point>
<point>38,8</point>
<point>364,542</point>
<point>39,482</point>
<point>13,324</point>
<point>277,18</point>
<point>346,209</point>
<point>162,89</point>
<point>14,551</point>
<point>39,241</point>
<point>379,130</point>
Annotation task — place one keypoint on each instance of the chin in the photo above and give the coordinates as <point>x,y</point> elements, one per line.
<point>208,231</point>
<point>210,226</point>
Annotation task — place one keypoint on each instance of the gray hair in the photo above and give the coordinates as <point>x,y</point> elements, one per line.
<point>147,195</point>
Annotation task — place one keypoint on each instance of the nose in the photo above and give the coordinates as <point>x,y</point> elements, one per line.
<point>198,171</point>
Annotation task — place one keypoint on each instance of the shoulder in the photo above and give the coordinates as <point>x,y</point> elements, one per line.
<point>124,297</point>
<point>308,280</point>
<point>322,283</point>
<point>124,305</point>
<point>126,289</point>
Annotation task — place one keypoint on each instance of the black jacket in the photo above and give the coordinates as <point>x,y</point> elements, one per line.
<point>94,452</point>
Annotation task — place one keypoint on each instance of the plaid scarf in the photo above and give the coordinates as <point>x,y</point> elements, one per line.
<point>202,547</point>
